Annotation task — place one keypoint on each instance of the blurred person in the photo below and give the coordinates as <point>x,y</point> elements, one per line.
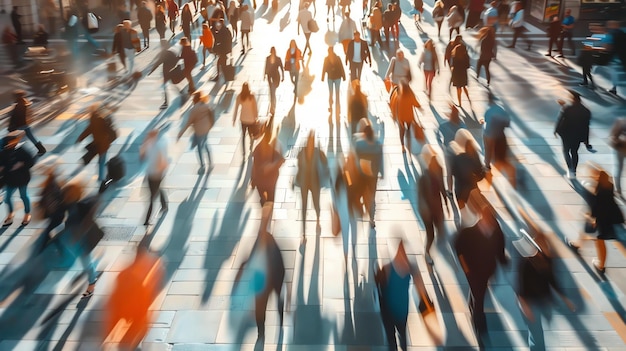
<point>264,271</point>
<point>430,191</point>
<point>201,118</point>
<point>190,59</point>
<point>616,46</point>
<point>573,128</point>
<point>9,40</point>
<point>388,17</point>
<point>402,103</point>
<point>357,54</point>
<point>51,202</point>
<point>312,174</point>
<point>399,69</point>
<point>333,68</point>
<point>267,160</point>
<point>467,169</point>
<point>369,161</point>
<point>491,15</point>
<point>103,134</point>
<point>15,165</point>
<point>480,246</point>
<point>172,14</point>
<point>49,12</point>
<point>488,47</point>
<point>118,45</point>
<point>475,8</point>
<point>330,9</point>
<point>606,214</point>
<point>207,41</point>
<point>447,59</point>
<point>392,283</point>
<point>246,101</point>
<point>617,141</point>
<point>517,23</point>
<point>586,61</point>
<point>70,33</point>
<point>135,289</point>
<point>344,6</point>
<point>186,17</point>
<point>247,20</point>
<point>40,38</point>
<point>293,61</point>
<point>357,105</point>
<point>168,58</point>
<point>446,133</point>
<point>17,24</point>
<point>553,32</point>
<point>144,16</point>
<point>375,25</point>
<point>20,119</point>
<point>460,64</point>
<point>396,14</point>
<point>274,73</point>
<point>153,152</point>
<point>223,45</point>
<point>418,9</point>
<point>131,44</point>
<point>567,26</point>
<point>430,64</point>
<point>233,12</point>
<point>438,14</point>
<point>304,18</point>
<point>454,20</point>
<point>494,139</point>
<point>160,21</point>
<point>346,31</point>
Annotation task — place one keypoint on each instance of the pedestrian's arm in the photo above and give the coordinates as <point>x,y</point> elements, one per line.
<point>84,134</point>
<point>324,68</point>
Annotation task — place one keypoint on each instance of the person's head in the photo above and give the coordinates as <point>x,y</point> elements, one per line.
<point>19,95</point>
<point>368,131</point>
<point>14,138</point>
<point>357,35</point>
<point>466,141</point>
<point>41,28</point>
<point>439,3</point>
<point>400,54</point>
<point>347,13</point>
<point>119,28</point>
<point>72,192</point>
<point>568,12</point>
<point>127,24</point>
<point>144,4</point>
<point>389,7</point>
<point>205,26</point>
<point>459,51</point>
<point>306,5</point>
<point>199,96</point>
<point>273,51</point>
<point>160,8</point>
<point>245,91</point>
<point>184,41</point>
<point>292,44</point>
<point>458,39</point>
<point>493,4</point>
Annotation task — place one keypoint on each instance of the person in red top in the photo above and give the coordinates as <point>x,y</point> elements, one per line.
<point>292,64</point>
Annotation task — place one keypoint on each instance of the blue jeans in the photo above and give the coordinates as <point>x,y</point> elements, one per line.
<point>333,84</point>
<point>89,38</point>
<point>73,250</point>
<point>23,194</point>
<point>201,144</point>
<point>29,134</point>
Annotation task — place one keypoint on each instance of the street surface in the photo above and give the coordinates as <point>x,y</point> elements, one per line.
<point>213,218</point>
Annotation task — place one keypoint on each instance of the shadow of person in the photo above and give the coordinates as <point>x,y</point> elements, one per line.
<point>284,22</point>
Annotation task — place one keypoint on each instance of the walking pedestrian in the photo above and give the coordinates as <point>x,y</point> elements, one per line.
<point>346,31</point>
<point>144,16</point>
<point>159,21</point>
<point>375,25</point>
<point>222,46</point>
<point>617,140</point>
<point>573,128</point>
<point>475,8</point>
<point>491,15</point>
<point>172,14</point>
<point>334,69</point>
<point>313,173</point>
<point>358,53</point>
<point>606,216</point>
<point>466,169</point>
<point>455,20</point>
<point>49,12</point>
<point>399,69</point>
<point>153,152</point>
<point>246,101</point>
<point>70,33</point>
<point>15,165</point>
<point>517,23</point>
<point>131,44</point>
<point>403,102</point>
<point>51,202</point>
<point>17,24</point>
<point>369,160</point>
<point>430,191</point>
<point>392,284</point>
<point>396,13</point>
<point>207,41</point>
<point>479,245</point>
<point>103,133</point>
<point>190,59</point>
<point>438,15</point>
<point>430,64</point>
<point>616,46</point>
<point>201,118</point>
<point>586,61</point>
<point>460,64</point>
<point>293,59</point>
<point>274,73</point>
<point>186,17</point>
<point>246,17</point>
<point>388,17</point>
<point>330,9</point>
<point>304,21</point>
<point>233,16</point>
<point>567,27</point>
<point>496,147</point>
<point>20,119</point>
<point>40,38</point>
<point>447,59</point>
<point>118,44</point>
<point>267,160</point>
<point>553,32</point>
<point>168,58</point>
<point>446,133</point>
<point>357,105</point>
<point>488,46</point>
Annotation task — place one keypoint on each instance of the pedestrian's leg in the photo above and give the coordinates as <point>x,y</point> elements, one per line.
<point>570,40</point>
<point>488,144</point>
<point>89,266</point>
<point>260,306</point>
<point>8,194</point>
<point>601,250</point>
<point>487,72</point>
<point>153,186</point>
<point>574,151</point>
<point>244,128</point>
<point>25,199</point>
<point>615,68</point>
<point>401,132</point>
<point>618,172</point>
<point>516,33</point>
<point>337,86</point>
<point>478,289</point>
<point>304,194</point>
<point>330,95</point>
<point>458,94</point>
<point>315,195</point>
<point>560,43</point>
<point>353,72</point>
<point>400,326</point>
<point>200,145</point>
<point>388,324</point>
<point>102,161</point>
<point>430,237</point>
<point>272,86</point>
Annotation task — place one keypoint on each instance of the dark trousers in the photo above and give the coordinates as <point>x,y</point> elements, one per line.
<point>567,34</point>
<point>519,32</point>
<point>18,31</point>
<point>554,41</point>
<point>355,70</point>
<point>391,325</point>
<point>484,63</point>
<point>478,290</point>
<point>570,152</point>
<point>146,35</point>
<point>587,74</point>
<point>154,184</point>
<point>376,38</point>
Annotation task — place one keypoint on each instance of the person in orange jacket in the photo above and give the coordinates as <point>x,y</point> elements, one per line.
<point>402,102</point>
<point>207,41</point>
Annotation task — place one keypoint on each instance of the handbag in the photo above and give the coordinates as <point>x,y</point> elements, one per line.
<point>388,84</point>
<point>312,26</point>
<point>590,224</point>
<point>229,72</point>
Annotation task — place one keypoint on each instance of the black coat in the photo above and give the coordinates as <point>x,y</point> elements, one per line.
<point>365,52</point>
<point>573,123</point>
<point>223,41</point>
<point>8,159</point>
<point>144,16</point>
<point>19,116</point>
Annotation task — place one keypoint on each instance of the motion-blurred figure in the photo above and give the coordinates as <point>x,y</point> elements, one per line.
<point>447,132</point>
<point>495,142</point>
<point>168,59</point>
<point>369,161</point>
<point>15,165</point>
<point>267,160</point>
<point>153,152</point>
<point>201,118</point>
<point>103,133</point>
<point>20,119</point>
<point>392,282</point>
<point>573,128</point>
<point>617,140</point>
<point>357,105</point>
<point>467,169</point>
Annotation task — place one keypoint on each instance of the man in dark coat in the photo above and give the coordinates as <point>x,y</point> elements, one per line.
<point>356,58</point>
<point>15,20</point>
<point>223,45</point>
<point>15,165</point>
<point>19,119</point>
<point>168,58</point>
<point>573,128</point>
<point>144,16</point>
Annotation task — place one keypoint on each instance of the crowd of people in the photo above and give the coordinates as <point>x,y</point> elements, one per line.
<point>451,167</point>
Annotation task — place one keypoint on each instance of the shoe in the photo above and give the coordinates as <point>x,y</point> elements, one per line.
<point>596,265</point>
<point>163,106</point>
<point>574,247</point>
<point>87,294</point>
<point>613,91</point>
<point>560,56</point>
<point>549,54</point>
<point>8,221</point>
<point>511,47</point>
<point>26,219</point>
<point>429,260</point>
<point>372,224</point>
<point>583,84</point>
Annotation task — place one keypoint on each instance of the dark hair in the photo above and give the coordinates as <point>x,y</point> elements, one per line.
<point>245,91</point>
<point>369,132</point>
